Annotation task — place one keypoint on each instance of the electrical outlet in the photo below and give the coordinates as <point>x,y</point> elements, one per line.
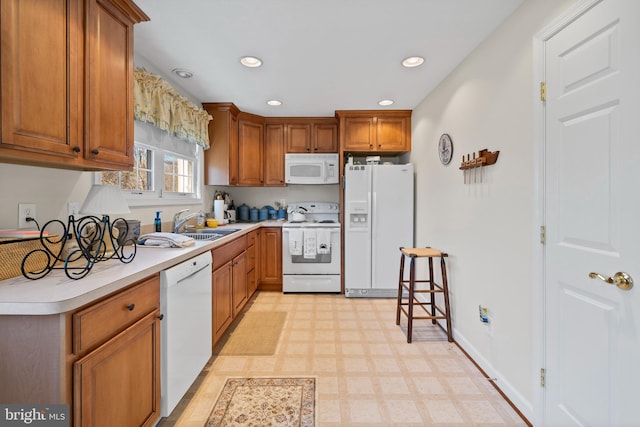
<point>26,210</point>
<point>73,208</point>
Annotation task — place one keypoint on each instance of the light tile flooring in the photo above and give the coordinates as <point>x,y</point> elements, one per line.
<point>367,374</point>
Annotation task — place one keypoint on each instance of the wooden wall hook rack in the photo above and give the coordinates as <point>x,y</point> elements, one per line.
<point>483,158</point>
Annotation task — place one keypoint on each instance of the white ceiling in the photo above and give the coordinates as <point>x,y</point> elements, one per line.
<point>319,55</point>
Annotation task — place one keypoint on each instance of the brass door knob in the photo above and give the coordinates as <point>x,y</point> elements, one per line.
<point>621,279</point>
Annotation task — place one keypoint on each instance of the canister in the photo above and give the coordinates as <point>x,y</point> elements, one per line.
<point>243,212</point>
<point>253,214</point>
<point>263,214</point>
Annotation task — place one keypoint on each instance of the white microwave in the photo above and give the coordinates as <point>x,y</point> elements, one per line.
<point>311,168</point>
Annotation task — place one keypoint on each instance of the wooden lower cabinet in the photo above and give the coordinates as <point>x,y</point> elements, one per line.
<point>103,359</point>
<point>270,259</point>
<point>252,263</point>
<point>222,308</point>
<point>123,373</point>
<point>239,295</point>
<point>230,290</point>
<point>118,342</point>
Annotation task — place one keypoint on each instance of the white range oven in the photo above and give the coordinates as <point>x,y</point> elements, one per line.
<point>311,249</point>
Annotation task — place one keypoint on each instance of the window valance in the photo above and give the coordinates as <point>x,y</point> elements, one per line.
<point>156,102</point>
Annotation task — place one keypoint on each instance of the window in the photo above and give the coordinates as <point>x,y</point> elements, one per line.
<point>166,170</point>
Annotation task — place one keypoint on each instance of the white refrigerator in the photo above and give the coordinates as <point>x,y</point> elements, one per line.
<point>378,220</point>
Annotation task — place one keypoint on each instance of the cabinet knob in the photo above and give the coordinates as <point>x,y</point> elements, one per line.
<point>130,307</point>
<point>95,151</point>
<point>76,149</point>
<point>161,317</point>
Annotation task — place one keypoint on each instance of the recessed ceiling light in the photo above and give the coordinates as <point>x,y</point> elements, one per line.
<point>182,73</point>
<point>385,102</point>
<point>250,61</point>
<point>274,102</point>
<point>412,61</point>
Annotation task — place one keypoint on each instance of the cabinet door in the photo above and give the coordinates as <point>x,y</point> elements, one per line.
<point>392,134</point>
<point>359,133</point>
<point>222,310</point>
<point>221,159</point>
<point>274,155</point>
<point>271,259</point>
<point>109,82</point>
<point>40,82</point>
<point>252,283</point>
<point>298,137</point>
<point>250,160</point>
<point>325,137</point>
<point>123,373</point>
<point>239,274</point>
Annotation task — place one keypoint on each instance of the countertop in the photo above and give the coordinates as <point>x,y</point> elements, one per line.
<point>56,293</point>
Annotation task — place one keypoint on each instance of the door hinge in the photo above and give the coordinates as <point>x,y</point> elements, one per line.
<point>543,91</point>
<point>543,377</point>
<point>543,234</point>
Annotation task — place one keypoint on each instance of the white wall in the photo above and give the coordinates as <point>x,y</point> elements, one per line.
<point>487,228</point>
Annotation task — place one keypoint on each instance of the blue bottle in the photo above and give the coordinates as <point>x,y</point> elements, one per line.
<point>158,222</point>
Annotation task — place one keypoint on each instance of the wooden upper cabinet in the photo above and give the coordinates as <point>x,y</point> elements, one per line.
<point>221,159</point>
<point>386,132</point>
<point>109,79</point>
<point>40,86</point>
<point>325,136</point>
<point>311,135</point>
<point>250,149</point>
<point>298,137</point>
<point>66,86</point>
<point>274,155</point>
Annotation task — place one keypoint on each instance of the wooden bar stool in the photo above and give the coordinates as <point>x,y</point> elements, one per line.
<point>406,305</point>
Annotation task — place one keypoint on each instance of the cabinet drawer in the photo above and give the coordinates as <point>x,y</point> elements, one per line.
<point>251,237</point>
<point>227,252</point>
<point>251,257</point>
<point>101,321</point>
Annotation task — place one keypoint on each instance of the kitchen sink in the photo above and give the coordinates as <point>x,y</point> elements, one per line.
<point>211,233</point>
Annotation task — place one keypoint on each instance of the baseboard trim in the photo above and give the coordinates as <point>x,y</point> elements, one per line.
<point>522,406</point>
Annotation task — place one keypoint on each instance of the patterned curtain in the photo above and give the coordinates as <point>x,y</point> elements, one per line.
<point>156,102</point>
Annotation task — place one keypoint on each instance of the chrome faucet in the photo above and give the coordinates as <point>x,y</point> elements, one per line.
<point>179,222</point>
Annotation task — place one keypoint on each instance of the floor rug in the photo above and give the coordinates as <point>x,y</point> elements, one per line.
<point>277,402</point>
<point>256,334</point>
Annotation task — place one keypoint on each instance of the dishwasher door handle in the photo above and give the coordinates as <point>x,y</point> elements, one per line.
<point>193,274</point>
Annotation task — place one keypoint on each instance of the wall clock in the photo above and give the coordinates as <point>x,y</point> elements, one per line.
<point>445,149</point>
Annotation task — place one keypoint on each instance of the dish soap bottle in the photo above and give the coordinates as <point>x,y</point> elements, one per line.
<point>158,222</point>
<point>200,221</point>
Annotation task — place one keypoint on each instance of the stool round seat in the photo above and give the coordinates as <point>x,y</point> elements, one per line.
<point>430,308</point>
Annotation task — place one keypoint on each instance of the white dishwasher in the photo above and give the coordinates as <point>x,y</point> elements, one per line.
<point>185,301</point>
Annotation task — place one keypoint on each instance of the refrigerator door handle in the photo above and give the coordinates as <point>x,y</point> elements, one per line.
<point>373,207</point>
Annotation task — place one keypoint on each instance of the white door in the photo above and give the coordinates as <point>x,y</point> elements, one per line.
<point>592,215</point>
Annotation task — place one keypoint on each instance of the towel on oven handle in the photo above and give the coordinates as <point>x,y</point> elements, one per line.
<point>323,237</point>
<point>310,242</point>
<point>295,241</point>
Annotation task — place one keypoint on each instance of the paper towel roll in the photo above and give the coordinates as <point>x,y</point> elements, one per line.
<point>218,210</point>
